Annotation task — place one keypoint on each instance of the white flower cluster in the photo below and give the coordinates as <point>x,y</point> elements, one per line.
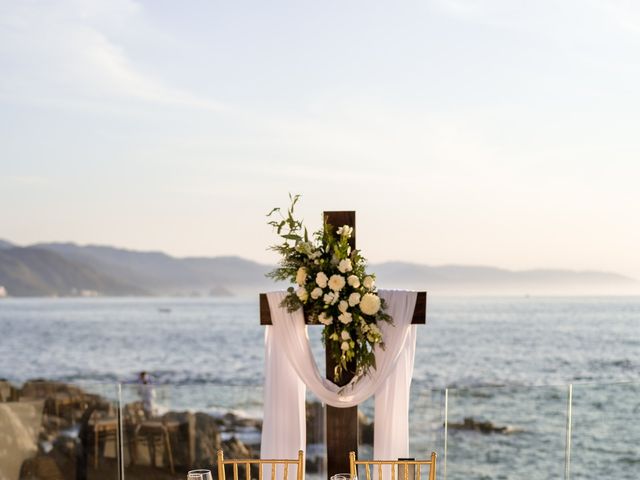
<point>332,286</point>
<point>329,289</point>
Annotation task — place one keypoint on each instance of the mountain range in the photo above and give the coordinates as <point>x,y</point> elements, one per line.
<point>67,269</point>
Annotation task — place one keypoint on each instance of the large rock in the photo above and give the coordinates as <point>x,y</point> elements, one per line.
<point>207,440</point>
<point>234,448</point>
<point>476,426</point>
<point>64,401</point>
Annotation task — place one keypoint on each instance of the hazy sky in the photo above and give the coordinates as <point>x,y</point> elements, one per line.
<point>480,132</point>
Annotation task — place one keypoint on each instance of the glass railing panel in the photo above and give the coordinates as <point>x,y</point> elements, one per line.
<point>366,416</point>
<point>506,433</point>
<point>169,430</point>
<point>59,430</point>
<point>316,451</point>
<point>605,440</point>
<point>426,424</point>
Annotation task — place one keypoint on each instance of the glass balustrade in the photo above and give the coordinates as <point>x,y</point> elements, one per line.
<point>109,431</point>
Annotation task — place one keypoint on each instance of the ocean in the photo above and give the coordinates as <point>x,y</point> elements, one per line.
<point>508,361</point>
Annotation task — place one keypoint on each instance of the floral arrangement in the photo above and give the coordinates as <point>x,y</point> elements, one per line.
<point>333,288</point>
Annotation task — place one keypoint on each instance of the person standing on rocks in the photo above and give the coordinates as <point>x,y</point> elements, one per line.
<point>147,395</point>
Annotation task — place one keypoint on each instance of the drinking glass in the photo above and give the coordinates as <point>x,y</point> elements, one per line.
<point>342,476</point>
<point>199,475</point>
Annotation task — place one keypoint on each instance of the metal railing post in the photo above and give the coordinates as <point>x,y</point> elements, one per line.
<point>446,429</point>
<point>567,450</point>
<point>120,436</point>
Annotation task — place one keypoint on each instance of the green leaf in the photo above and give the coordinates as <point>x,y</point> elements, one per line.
<point>292,236</point>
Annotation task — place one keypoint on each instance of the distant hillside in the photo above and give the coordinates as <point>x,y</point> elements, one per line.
<point>483,280</point>
<point>162,274</point>
<point>37,272</point>
<point>5,244</point>
<point>66,268</point>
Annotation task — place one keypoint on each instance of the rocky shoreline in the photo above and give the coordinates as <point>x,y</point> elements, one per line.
<point>78,436</point>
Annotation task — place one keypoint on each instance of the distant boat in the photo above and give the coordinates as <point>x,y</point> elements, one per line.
<point>164,310</point>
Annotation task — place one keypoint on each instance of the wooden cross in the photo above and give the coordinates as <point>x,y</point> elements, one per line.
<point>342,423</point>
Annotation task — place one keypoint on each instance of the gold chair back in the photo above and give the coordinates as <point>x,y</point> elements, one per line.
<point>369,465</point>
<point>261,463</point>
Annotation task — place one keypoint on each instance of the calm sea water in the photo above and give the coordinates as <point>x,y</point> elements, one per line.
<point>505,360</point>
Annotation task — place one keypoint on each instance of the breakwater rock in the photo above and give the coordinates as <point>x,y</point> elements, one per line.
<point>477,426</point>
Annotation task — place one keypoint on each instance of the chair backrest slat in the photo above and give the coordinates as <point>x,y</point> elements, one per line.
<point>220,464</point>
<point>432,471</point>
<point>261,463</point>
<point>394,465</point>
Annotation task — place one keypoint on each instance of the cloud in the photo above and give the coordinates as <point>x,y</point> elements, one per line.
<point>61,54</point>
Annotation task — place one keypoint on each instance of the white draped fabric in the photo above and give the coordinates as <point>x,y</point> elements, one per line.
<point>290,365</point>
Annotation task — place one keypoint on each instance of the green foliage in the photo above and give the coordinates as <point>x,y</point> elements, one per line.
<point>333,288</point>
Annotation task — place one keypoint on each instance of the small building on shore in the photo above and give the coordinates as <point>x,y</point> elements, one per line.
<point>3,292</point>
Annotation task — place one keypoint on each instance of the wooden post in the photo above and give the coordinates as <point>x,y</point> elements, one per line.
<point>342,423</point>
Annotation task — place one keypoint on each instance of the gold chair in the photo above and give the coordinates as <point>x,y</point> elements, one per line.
<point>395,467</point>
<point>299,462</point>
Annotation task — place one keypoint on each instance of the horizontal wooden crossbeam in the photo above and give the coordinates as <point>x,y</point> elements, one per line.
<point>419,313</point>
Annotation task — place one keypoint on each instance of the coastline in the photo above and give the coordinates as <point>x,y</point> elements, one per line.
<point>76,433</point>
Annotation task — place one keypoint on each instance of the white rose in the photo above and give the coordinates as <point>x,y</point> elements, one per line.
<point>301,276</point>
<point>321,280</point>
<point>344,346</point>
<point>345,231</point>
<point>316,293</point>
<point>328,298</point>
<point>370,304</point>
<point>354,281</point>
<point>343,306</point>
<point>345,335</point>
<point>345,265</point>
<point>354,299</point>
<point>325,319</point>
<point>302,294</point>
<point>368,282</point>
<point>345,318</point>
<point>337,283</point>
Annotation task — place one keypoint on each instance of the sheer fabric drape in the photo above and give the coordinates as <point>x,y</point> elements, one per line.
<point>290,367</point>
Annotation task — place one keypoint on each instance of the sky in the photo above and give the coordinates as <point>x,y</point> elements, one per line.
<point>477,132</point>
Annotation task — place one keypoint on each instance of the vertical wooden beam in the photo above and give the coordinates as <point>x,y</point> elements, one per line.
<point>342,423</point>
<point>338,219</point>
